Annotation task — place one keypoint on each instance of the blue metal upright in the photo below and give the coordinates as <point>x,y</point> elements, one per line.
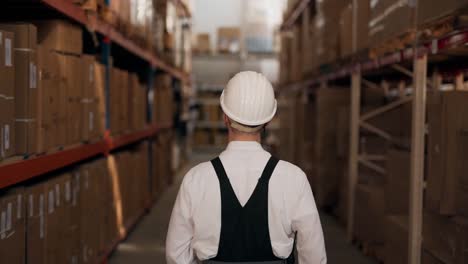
<point>105,59</point>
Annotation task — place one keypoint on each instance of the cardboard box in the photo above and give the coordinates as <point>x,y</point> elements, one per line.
<point>90,101</point>
<point>397,187</point>
<point>429,11</point>
<point>347,32</point>
<point>203,43</point>
<point>396,239</point>
<point>389,18</point>
<point>369,216</point>
<point>36,220</point>
<point>12,223</point>
<point>50,84</point>
<point>446,237</point>
<point>229,39</point>
<point>50,35</point>
<point>447,181</point>
<point>26,104</point>
<point>7,89</point>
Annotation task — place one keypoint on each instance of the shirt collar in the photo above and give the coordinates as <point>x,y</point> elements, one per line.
<point>244,145</point>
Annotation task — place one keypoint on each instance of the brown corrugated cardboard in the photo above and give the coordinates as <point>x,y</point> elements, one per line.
<point>12,223</point>
<point>446,237</point>
<point>88,100</point>
<point>50,34</point>
<point>49,83</point>
<point>429,11</point>
<point>446,177</point>
<point>389,18</point>
<point>203,43</point>
<point>398,180</point>
<point>229,39</point>
<point>7,98</point>
<point>347,32</point>
<point>369,215</point>
<point>35,198</point>
<point>396,239</point>
<point>25,50</point>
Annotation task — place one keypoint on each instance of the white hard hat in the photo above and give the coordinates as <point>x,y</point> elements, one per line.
<point>249,99</point>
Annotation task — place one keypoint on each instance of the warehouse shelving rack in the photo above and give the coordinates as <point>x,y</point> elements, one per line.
<point>413,63</point>
<point>18,171</point>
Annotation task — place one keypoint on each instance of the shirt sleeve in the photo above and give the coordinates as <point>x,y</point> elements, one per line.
<point>306,222</point>
<point>180,232</point>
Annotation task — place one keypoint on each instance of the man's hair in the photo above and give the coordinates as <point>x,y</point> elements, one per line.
<point>245,128</point>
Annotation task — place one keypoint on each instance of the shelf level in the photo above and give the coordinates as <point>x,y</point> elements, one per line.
<point>433,47</point>
<point>23,170</point>
<point>74,12</point>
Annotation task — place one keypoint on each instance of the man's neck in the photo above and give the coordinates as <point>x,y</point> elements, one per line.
<point>244,137</point>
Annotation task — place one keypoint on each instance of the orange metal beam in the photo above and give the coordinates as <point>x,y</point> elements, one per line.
<point>23,170</point>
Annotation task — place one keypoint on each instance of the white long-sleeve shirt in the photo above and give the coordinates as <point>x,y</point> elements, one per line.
<point>195,226</point>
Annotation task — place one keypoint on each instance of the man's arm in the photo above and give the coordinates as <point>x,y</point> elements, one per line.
<point>306,222</point>
<point>180,233</point>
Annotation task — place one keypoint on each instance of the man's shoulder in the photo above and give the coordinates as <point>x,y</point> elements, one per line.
<point>198,171</point>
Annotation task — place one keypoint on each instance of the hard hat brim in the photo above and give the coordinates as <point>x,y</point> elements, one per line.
<point>243,121</point>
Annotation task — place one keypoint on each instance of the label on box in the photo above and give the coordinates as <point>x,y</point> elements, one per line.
<point>85,253</point>
<point>91,121</point>
<point>75,196</point>
<point>6,137</point>
<point>32,76</point>
<point>57,195</point>
<point>41,216</point>
<point>86,179</point>
<point>41,204</point>
<point>31,205</point>
<point>68,191</point>
<point>8,61</point>
<point>51,202</point>
<point>3,225</point>
<point>19,200</point>
<point>8,217</point>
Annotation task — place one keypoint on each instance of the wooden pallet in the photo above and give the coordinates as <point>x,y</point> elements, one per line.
<point>393,44</point>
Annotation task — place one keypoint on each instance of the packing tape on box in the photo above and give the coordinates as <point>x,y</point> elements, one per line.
<point>378,19</point>
<point>31,205</point>
<point>24,50</point>
<point>7,97</point>
<point>19,201</point>
<point>51,202</point>
<point>57,195</point>
<point>41,216</point>
<point>25,120</point>
<point>9,217</point>
<point>8,60</point>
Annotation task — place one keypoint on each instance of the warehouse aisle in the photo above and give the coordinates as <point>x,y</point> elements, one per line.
<point>145,244</point>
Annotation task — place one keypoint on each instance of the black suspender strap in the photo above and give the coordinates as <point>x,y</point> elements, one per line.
<point>269,168</point>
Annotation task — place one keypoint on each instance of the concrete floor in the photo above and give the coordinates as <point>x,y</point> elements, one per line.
<point>146,243</point>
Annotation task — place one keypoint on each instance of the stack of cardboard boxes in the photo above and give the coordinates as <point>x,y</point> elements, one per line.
<point>342,29</point>
<point>445,222</point>
<point>7,95</point>
<point>163,101</point>
<point>53,95</point>
<point>74,216</point>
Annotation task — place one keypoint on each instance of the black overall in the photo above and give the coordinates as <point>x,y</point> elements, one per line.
<point>245,236</point>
